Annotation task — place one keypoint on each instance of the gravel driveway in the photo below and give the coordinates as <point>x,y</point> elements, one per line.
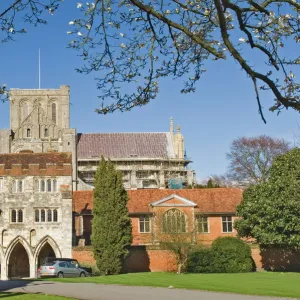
<point>91,291</point>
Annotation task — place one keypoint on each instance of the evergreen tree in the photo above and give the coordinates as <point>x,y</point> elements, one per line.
<point>111,226</point>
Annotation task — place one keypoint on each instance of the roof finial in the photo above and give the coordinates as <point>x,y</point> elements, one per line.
<point>178,129</point>
<point>172,126</point>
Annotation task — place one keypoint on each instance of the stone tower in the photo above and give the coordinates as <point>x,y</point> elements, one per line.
<point>40,122</point>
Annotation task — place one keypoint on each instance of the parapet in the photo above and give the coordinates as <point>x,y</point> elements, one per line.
<point>36,164</point>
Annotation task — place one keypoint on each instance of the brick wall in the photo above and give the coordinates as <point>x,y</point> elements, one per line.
<point>140,259</point>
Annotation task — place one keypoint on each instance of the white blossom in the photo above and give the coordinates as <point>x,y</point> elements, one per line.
<point>11,29</point>
<point>79,33</point>
<point>123,45</point>
<point>69,32</point>
<point>122,34</point>
<point>79,5</point>
<point>71,23</point>
<point>242,40</point>
<point>292,75</point>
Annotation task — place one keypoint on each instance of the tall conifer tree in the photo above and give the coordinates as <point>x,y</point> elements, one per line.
<point>111,226</point>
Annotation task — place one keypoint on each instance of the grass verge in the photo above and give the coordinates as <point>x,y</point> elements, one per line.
<point>260,283</point>
<point>24,296</point>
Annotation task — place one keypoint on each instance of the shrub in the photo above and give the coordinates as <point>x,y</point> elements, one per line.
<point>231,255</point>
<point>227,255</point>
<point>200,261</point>
<point>95,270</point>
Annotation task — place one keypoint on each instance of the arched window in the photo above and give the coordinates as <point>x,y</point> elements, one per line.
<point>49,215</point>
<point>13,216</point>
<point>20,186</point>
<point>174,221</point>
<point>28,132</point>
<point>46,132</point>
<point>49,185</point>
<point>32,237</point>
<point>4,237</point>
<point>53,110</point>
<point>43,215</point>
<point>55,216</point>
<point>25,111</point>
<point>43,188</point>
<point>37,215</point>
<point>54,185</point>
<point>37,185</point>
<point>14,186</point>
<point>20,216</point>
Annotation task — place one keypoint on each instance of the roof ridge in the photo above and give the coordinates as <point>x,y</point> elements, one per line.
<point>122,132</point>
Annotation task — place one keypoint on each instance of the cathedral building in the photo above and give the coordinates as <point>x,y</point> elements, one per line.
<point>40,122</point>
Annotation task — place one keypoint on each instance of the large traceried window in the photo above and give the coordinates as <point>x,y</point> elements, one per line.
<point>174,221</point>
<point>53,112</point>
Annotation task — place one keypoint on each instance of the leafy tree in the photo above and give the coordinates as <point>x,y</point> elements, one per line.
<point>138,42</point>
<point>111,226</point>
<point>250,158</point>
<point>270,211</point>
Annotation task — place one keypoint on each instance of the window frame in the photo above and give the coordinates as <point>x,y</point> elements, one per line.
<point>227,222</point>
<point>18,186</point>
<point>202,223</point>
<point>46,185</point>
<point>144,222</point>
<point>43,214</point>
<point>19,218</point>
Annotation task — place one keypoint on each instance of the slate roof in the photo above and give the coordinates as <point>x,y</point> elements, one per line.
<point>217,200</point>
<point>125,145</point>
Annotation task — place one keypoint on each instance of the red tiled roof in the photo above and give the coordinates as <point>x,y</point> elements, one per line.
<point>218,200</point>
<point>125,145</point>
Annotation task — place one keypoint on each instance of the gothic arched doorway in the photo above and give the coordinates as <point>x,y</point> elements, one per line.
<point>18,265</point>
<point>46,251</point>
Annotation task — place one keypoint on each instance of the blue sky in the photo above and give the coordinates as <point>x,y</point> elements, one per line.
<point>222,108</point>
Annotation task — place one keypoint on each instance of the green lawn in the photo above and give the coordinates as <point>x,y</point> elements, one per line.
<point>261,283</point>
<point>22,296</point>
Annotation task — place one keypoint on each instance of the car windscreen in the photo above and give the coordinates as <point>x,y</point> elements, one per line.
<point>49,263</point>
